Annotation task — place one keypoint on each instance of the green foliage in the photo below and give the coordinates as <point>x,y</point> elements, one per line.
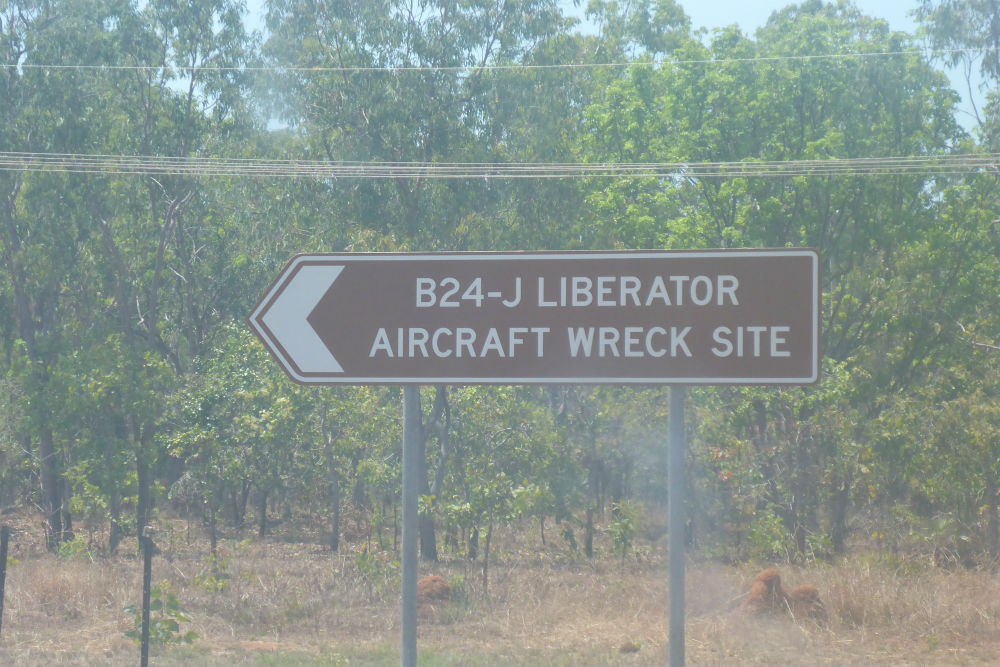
<point>165,618</point>
<point>75,548</point>
<point>459,590</point>
<point>768,537</point>
<point>378,570</point>
<point>214,575</point>
<point>624,526</point>
<point>124,359</point>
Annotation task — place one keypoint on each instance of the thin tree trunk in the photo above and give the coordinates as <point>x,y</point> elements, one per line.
<point>240,504</point>
<point>395,527</point>
<point>262,519</point>
<point>838,518</point>
<point>593,481</point>
<point>67,516</point>
<point>213,531</point>
<point>115,529</point>
<point>588,536</point>
<point>438,422</point>
<point>50,488</point>
<point>486,558</point>
<point>428,540</point>
<point>474,543</point>
<point>335,507</point>
<point>425,522</point>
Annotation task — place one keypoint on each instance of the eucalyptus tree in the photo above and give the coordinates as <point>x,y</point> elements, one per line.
<point>967,33</point>
<point>403,82</point>
<point>963,448</point>
<point>46,231</point>
<point>788,93</point>
<point>398,82</point>
<point>504,445</point>
<point>182,97</point>
<point>118,271</point>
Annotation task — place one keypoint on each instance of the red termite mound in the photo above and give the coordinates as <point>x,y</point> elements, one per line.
<point>767,596</point>
<point>805,603</point>
<point>431,589</point>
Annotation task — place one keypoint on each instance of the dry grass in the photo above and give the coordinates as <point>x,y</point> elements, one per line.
<point>291,603</point>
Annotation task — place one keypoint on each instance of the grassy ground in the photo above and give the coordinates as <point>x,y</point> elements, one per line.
<point>286,601</point>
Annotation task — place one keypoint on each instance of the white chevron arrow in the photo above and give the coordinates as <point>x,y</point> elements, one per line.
<point>286,323</point>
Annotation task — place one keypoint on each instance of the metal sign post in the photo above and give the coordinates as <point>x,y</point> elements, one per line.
<point>4,540</point>
<point>676,537</point>
<point>412,425</point>
<point>147,569</point>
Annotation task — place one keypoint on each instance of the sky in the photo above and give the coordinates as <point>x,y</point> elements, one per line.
<point>748,14</point>
<point>751,14</point>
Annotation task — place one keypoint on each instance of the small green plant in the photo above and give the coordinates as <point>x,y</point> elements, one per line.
<point>165,618</point>
<point>214,575</point>
<point>459,591</point>
<point>376,570</point>
<point>75,548</point>
<point>623,527</point>
<point>768,538</point>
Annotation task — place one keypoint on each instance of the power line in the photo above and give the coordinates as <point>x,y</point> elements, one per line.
<point>355,69</point>
<point>931,165</point>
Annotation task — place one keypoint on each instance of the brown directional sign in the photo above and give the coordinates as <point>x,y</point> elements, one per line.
<point>699,317</point>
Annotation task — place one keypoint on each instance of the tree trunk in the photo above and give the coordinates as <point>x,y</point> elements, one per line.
<point>428,540</point>
<point>438,422</point>
<point>239,499</point>
<point>67,516</point>
<point>425,523</point>
<point>50,489</point>
<point>486,558</point>
<point>335,508</point>
<point>262,518</point>
<point>213,531</point>
<point>359,496</point>
<point>593,500</point>
<point>838,516</point>
<point>115,529</point>
<point>474,543</point>
<point>588,538</point>
<point>395,527</point>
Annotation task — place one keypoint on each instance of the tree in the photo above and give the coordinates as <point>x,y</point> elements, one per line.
<point>967,31</point>
<point>44,216</point>
<point>721,101</point>
<point>150,231</point>
<point>501,446</point>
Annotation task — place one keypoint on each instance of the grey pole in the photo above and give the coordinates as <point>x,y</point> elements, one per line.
<point>147,574</point>
<point>412,423</point>
<point>675,529</point>
<point>4,544</point>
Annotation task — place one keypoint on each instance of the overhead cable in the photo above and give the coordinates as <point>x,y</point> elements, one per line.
<point>936,165</point>
<point>400,69</point>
